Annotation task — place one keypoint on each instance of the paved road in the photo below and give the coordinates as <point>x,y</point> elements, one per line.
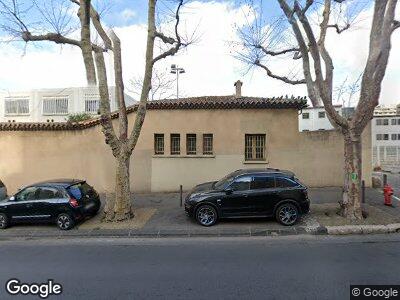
<point>297,267</point>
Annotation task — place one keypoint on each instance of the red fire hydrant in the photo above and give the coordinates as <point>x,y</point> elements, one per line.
<point>387,193</point>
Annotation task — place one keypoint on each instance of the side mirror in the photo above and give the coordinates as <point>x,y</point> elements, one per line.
<point>228,191</point>
<point>12,198</point>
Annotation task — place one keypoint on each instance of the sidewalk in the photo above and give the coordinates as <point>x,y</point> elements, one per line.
<point>160,215</point>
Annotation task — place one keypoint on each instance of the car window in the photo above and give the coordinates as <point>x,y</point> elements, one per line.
<point>282,182</point>
<point>49,193</point>
<point>30,193</point>
<point>79,190</point>
<point>262,182</point>
<point>241,184</point>
<point>1,184</point>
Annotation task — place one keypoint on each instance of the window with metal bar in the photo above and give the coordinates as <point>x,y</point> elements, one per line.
<point>191,146</point>
<point>175,144</point>
<point>255,147</point>
<point>16,105</point>
<point>92,103</point>
<point>208,144</point>
<point>55,105</point>
<point>158,144</point>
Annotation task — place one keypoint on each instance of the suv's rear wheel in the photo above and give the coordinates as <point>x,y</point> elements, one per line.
<point>3,221</point>
<point>65,222</point>
<point>206,215</point>
<point>287,214</point>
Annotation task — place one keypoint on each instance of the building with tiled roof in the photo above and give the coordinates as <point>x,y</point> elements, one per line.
<point>182,142</point>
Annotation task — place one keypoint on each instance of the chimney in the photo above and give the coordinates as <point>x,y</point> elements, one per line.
<point>238,84</point>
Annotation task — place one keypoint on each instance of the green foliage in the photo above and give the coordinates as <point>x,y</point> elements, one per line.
<point>79,117</point>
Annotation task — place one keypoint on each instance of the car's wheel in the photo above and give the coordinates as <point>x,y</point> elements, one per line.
<point>287,214</point>
<point>65,222</point>
<point>3,221</point>
<point>206,215</point>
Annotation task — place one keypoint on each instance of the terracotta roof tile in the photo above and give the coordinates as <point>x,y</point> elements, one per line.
<point>209,102</point>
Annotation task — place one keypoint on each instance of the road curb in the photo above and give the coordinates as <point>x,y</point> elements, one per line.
<point>363,229</point>
<point>177,233</point>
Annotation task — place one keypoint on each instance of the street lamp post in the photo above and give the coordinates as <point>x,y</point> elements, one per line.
<point>175,69</point>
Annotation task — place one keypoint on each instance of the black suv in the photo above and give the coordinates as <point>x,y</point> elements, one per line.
<point>248,193</point>
<point>62,201</point>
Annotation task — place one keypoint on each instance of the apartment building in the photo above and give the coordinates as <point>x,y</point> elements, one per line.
<point>52,105</point>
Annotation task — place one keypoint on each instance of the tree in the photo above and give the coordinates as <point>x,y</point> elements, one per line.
<point>122,143</point>
<point>318,72</point>
<point>162,85</point>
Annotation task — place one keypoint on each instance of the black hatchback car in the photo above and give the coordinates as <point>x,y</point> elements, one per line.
<point>249,193</point>
<point>62,201</point>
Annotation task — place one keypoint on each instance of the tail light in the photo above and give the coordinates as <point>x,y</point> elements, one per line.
<point>73,202</point>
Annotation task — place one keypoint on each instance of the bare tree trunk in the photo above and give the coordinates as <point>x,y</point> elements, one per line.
<point>351,201</point>
<point>86,44</point>
<point>122,206</point>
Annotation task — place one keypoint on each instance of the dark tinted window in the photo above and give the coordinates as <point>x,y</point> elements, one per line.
<point>49,193</point>
<point>262,182</point>
<point>30,193</point>
<point>241,183</point>
<point>283,182</point>
<point>79,190</point>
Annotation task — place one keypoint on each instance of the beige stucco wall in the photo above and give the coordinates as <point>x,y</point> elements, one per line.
<point>316,157</point>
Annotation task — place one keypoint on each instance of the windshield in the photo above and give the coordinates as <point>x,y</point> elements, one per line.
<point>224,182</point>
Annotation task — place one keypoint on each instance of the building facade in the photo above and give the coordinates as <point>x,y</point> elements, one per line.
<point>386,142</point>
<point>315,118</point>
<point>183,142</point>
<point>52,105</point>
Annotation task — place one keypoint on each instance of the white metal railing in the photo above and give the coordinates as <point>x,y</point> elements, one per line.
<point>16,105</point>
<point>55,105</point>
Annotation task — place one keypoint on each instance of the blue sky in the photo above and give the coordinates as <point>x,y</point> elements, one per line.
<point>210,66</point>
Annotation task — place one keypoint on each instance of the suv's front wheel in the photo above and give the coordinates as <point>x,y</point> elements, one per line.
<point>206,215</point>
<point>287,214</point>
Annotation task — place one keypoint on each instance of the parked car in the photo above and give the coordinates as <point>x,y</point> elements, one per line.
<point>248,193</point>
<point>3,191</point>
<point>62,201</point>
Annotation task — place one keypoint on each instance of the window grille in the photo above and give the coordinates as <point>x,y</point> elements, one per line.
<point>92,103</point>
<point>175,144</point>
<point>208,144</point>
<point>55,105</point>
<point>16,105</point>
<point>255,147</point>
<point>158,144</point>
<point>191,144</point>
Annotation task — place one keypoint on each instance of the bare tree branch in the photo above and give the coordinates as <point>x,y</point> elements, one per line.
<point>177,40</point>
<point>281,78</point>
<point>338,29</point>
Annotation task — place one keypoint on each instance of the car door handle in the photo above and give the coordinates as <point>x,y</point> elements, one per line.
<point>29,205</point>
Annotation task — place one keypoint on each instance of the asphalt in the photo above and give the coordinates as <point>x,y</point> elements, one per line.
<point>296,267</point>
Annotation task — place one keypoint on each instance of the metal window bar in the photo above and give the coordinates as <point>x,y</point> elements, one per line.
<point>207,144</point>
<point>255,147</point>
<point>17,105</point>
<point>92,106</point>
<point>159,144</point>
<point>57,105</point>
<point>175,144</point>
<point>191,144</point>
